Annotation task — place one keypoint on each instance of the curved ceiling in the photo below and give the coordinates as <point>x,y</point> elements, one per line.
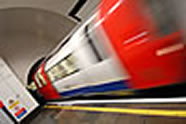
<point>27,34</point>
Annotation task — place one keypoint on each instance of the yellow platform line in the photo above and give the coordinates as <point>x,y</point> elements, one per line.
<point>148,112</point>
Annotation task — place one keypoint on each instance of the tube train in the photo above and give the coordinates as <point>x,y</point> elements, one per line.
<point>126,46</point>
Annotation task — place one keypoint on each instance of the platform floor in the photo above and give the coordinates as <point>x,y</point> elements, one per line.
<point>59,116</point>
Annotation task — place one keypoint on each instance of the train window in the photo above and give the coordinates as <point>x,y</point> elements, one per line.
<point>56,73</point>
<point>62,69</point>
<point>68,64</point>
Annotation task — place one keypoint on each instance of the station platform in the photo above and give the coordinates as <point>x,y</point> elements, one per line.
<point>112,114</point>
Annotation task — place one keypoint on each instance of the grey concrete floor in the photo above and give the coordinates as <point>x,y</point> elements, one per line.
<point>57,116</point>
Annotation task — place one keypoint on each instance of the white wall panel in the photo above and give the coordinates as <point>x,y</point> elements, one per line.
<point>13,90</point>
